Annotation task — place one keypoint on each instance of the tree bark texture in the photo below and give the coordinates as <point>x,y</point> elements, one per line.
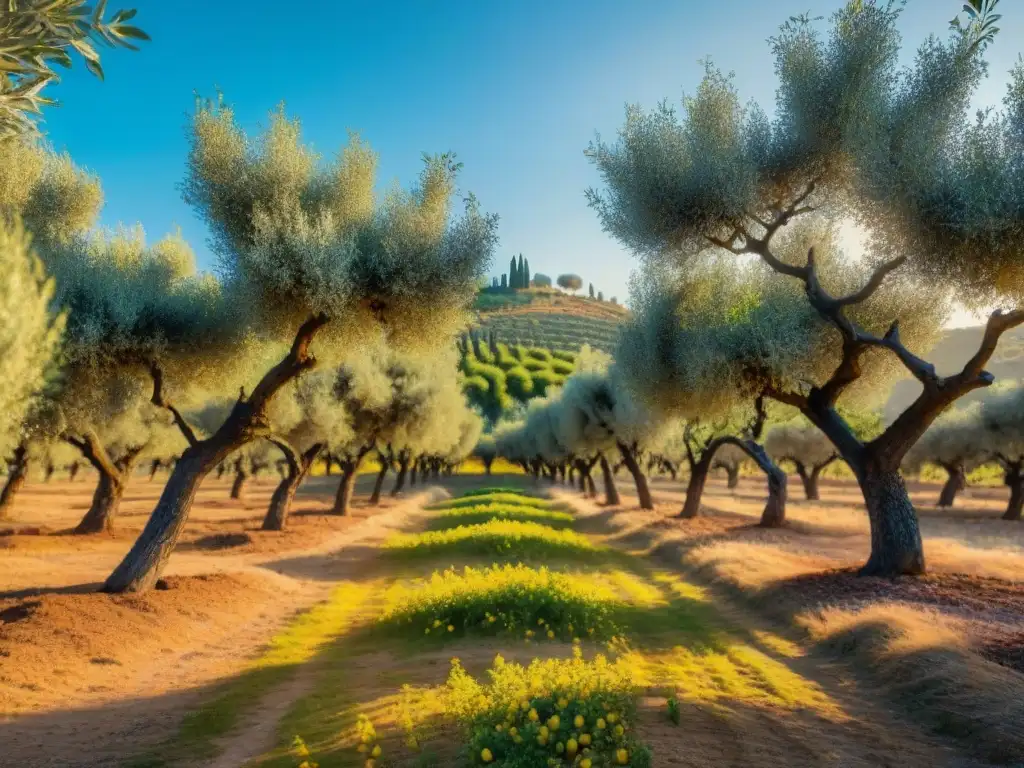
<point>403,472</point>
<point>611,493</point>
<point>643,491</point>
<point>17,472</point>
<point>241,475</point>
<point>895,536</point>
<point>378,484</point>
<point>113,480</point>
<point>1014,478</point>
<point>956,481</point>
<point>298,466</point>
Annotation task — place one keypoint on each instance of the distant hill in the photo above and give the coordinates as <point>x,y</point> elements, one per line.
<point>550,319</point>
<point>949,355</point>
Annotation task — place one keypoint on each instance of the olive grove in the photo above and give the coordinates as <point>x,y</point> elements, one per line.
<point>939,195</point>
<point>306,250</point>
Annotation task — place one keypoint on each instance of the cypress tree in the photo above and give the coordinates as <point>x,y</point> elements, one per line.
<point>526,275</point>
<point>591,290</point>
<point>521,273</point>
<point>513,274</point>
<point>504,281</point>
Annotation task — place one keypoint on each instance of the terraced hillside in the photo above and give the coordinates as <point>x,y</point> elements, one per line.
<point>551,320</point>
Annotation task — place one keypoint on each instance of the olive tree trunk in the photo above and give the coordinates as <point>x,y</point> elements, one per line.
<point>113,480</point>
<point>643,492</point>
<point>347,484</point>
<point>378,484</point>
<point>1014,478</point>
<point>73,468</point>
<point>297,469</point>
<point>248,420</point>
<point>241,475</point>
<point>956,481</point>
<point>403,472</point>
<point>732,471</point>
<point>896,546</point>
<point>699,471</point>
<point>17,472</point>
<point>611,493</point>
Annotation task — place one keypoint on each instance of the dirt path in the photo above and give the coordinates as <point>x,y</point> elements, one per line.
<point>859,732</point>
<point>140,698</point>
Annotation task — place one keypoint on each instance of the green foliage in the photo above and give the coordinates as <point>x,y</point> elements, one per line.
<point>570,282</point>
<point>552,712</point>
<point>541,280</point>
<point>504,538</point>
<point>30,333</point>
<point>485,512</point>
<point>562,368</point>
<point>36,35</point>
<point>512,498</point>
<point>530,603</point>
<point>520,383</point>
<point>553,330</point>
<point>673,710</point>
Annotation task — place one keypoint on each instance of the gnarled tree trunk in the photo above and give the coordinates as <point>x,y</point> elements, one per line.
<point>346,486</point>
<point>241,475</point>
<point>141,567</point>
<point>699,471</point>
<point>732,471</point>
<point>403,471</point>
<point>1014,478</point>
<point>378,484</point>
<point>643,492</point>
<point>17,472</point>
<point>956,481</point>
<point>611,493</point>
<point>895,536</point>
<point>73,468</point>
<point>113,479</point>
<point>298,466</point>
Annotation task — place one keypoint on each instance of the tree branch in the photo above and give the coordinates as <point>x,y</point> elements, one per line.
<point>873,283</point>
<point>297,360</point>
<point>160,401</point>
<point>290,454</point>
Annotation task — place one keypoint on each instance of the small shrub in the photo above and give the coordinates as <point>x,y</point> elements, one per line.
<point>496,497</point>
<point>532,603</point>
<point>562,368</point>
<point>553,712</point>
<point>496,537</point>
<point>475,515</point>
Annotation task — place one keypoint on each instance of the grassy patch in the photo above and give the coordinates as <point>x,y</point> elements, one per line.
<point>503,538</point>
<point>532,603</point>
<point>483,513</point>
<point>572,712</point>
<point>497,497</point>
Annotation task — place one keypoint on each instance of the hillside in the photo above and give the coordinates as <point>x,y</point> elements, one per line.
<point>949,355</point>
<point>550,319</point>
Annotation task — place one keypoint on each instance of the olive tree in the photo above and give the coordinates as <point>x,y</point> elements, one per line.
<point>939,195</point>
<point>806,448</point>
<point>731,459</point>
<point>957,442</point>
<point>29,341</point>
<point>305,250</point>
<point>1002,417</point>
<point>597,414</point>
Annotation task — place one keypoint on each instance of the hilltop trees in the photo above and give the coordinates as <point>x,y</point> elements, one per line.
<point>306,251</point>
<point>940,197</point>
<point>570,282</point>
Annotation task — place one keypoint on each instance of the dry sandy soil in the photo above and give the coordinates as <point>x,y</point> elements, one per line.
<point>84,675</point>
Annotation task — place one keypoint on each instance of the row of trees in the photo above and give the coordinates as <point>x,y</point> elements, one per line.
<point>307,255</point>
<point>938,193</point>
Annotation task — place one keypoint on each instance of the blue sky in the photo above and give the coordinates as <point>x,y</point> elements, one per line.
<point>516,89</point>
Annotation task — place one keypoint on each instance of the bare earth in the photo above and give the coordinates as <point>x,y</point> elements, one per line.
<point>88,679</point>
